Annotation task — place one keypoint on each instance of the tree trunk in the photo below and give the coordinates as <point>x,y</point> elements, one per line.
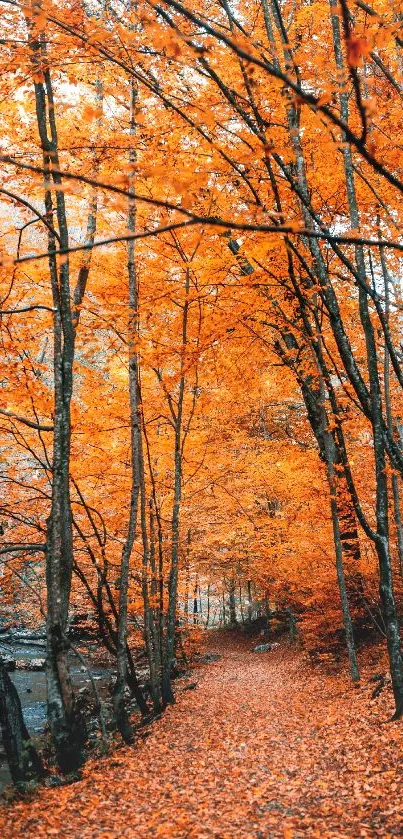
<point>195,604</point>
<point>208,606</point>
<point>250,608</point>
<point>389,417</point>
<point>232,605</point>
<point>381,537</point>
<point>169,649</point>
<point>67,727</point>
<point>23,759</point>
<point>121,714</point>
<point>348,626</point>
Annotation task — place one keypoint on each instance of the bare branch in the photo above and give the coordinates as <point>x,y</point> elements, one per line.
<point>24,421</point>
<point>28,548</point>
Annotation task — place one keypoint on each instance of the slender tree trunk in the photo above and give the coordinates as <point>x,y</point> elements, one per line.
<point>167,693</point>
<point>195,604</point>
<point>332,481</point>
<point>241,605</point>
<point>155,595</point>
<point>151,624</point>
<point>250,608</point>
<point>208,606</point>
<point>121,714</point>
<point>187,570</point>
<point>232,605</point>
<point>267,614</point>
<point>389,417</point>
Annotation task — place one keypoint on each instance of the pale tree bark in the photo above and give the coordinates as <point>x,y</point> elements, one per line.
<point>121,714</point>
<point>389,417</point>
<point>66,728</point>
<point>169,647</point>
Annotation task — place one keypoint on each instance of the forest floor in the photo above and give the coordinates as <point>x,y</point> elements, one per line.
<point>265,746</point>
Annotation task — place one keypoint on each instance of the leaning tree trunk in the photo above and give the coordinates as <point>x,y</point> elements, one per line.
<point>341,579</point>
<point>23,759</point>
<point>381,537</point>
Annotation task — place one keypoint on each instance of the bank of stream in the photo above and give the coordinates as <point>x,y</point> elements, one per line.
<point>28,651</point>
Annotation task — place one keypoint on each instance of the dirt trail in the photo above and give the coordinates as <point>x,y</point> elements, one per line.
<point>263,747</point>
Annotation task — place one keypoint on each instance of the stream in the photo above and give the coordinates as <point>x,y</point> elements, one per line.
<point>31,686</point>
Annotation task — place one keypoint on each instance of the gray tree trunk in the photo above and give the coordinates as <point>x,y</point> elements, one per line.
<point>169,648</point>
<point>67,727</point>
<point>23,759</point>
<point>122,718</point>
<point>381,538</point>
<point>232,604</point>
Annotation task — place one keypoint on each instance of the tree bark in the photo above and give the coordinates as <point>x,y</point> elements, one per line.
<point>381,538</point>
<point>122,718</point>
<point>232,605</point>
<point>66,724</point>
<point>167,693</point>
<point>23,759</point>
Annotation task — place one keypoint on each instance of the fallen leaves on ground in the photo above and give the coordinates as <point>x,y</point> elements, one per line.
<point>264,748</point>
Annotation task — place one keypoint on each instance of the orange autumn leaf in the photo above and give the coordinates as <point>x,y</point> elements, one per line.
<point>358,48</point>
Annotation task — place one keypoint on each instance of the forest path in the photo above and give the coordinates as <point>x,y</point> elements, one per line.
<point>264,747</point>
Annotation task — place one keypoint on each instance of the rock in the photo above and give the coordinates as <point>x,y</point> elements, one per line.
<point>263,648</point>
<point>177,672</point>
<point>57,781</point>
<point>37,664</point>
<point>190,686</point>
<point>10,664</point>
<point>208,657</point>
<point>32,664</point>
<point>18,639</point>
<point>54,781</point>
